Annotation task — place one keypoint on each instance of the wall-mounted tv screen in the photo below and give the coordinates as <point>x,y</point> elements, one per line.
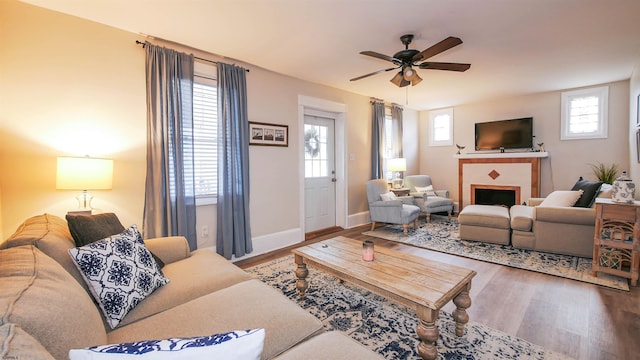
<point>505,134</point>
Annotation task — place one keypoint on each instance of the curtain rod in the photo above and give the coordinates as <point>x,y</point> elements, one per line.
<point>195,57</point>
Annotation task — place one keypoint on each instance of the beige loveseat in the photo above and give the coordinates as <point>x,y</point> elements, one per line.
<point>556,229</point>
<point>45,309</point>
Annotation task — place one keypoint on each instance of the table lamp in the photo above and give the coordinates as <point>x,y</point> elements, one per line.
<point>84,173</point>
<point>397,165</point>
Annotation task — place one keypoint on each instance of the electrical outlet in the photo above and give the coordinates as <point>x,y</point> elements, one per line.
<point>204,231</point>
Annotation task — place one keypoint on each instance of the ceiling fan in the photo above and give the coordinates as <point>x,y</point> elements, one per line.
<point>408,59</point>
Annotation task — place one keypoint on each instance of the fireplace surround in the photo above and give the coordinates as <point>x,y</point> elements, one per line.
<point>512,172</point>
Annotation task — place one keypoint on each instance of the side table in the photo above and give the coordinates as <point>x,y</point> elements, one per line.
<point>616,240</point>
<point>401,191</point>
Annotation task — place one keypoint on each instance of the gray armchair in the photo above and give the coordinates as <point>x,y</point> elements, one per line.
<point>400,211</point>
<point>428,204</point>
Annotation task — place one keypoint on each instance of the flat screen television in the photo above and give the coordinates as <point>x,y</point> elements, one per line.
<point>505,134</point>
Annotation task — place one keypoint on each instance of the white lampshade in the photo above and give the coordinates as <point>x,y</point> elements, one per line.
<point>397,164</point>
<point>84,173</point>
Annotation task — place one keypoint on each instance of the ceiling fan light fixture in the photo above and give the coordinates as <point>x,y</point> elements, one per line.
<point>416,80</point>
<point>397,80</point>
<point>409,73</point>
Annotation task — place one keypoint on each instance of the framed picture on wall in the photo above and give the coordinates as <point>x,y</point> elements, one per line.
<point>268,134</point>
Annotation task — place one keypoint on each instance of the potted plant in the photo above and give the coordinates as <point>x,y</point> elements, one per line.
<point>605,173</point>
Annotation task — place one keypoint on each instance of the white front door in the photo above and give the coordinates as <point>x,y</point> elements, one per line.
<point>319,173</point>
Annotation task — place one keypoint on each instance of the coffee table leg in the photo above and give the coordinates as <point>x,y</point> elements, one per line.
<point>428,333</point>
<point>462,301</point>
<point>301,272</point>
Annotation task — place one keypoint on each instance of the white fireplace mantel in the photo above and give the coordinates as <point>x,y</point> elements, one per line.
<point>498,155</point>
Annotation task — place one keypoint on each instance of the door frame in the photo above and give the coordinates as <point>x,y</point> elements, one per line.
<point>340,115</point>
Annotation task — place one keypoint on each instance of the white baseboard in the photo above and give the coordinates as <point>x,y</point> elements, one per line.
<point>358,219</point>
<point>270,242</point>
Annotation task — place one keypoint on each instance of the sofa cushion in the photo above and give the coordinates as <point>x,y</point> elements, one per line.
<point>247,305</point>
<point>240,344</point>
<point>50,234</point>
<point>521,217</point>
<point>86,229</point>
<point>591,190</point>
<point>491,216</point>
<point>200,274</point>
<point>562,198</point>
<point>120,272</point>
<point>44,300</point>
<point>15,343</point>
<point>332,345</point>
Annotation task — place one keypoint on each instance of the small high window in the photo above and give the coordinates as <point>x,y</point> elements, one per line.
<point>441,127</point>
<point>584,113</point>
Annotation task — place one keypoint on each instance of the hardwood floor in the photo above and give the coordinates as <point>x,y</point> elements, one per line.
<point>581,320</point>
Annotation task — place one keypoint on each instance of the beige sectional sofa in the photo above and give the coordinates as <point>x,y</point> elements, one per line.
<point>562,230</point>
<point>549,228</point>
<point>46,310</point>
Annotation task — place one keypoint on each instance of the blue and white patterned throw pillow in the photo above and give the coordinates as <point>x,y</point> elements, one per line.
<point>119,271</point>
<point>245,345</point>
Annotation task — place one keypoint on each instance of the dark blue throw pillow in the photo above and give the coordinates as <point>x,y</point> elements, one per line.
<point>591,190</point>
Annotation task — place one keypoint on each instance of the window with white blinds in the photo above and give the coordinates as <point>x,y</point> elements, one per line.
<point>584,113</point>
<point>205,133</point>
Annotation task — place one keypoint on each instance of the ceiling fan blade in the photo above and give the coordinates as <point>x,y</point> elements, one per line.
<point>444,66</point>
<point>373,73</point>
<point>381,56</point>
<point>436,49</point>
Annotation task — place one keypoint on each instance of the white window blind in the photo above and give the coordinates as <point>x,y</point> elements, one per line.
<point>205,132</point>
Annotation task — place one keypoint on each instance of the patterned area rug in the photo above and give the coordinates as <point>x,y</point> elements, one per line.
<point>442,235</point>
<point>386,327</point>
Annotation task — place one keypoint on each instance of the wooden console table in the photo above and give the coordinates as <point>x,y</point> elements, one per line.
<point>419,283</point>
<point>401,191</point>
<point>616,240</point>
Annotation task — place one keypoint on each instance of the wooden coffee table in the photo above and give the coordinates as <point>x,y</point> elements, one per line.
<point>421,284</point>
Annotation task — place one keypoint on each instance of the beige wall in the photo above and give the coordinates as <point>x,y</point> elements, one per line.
<point>74,87</point>
<point>69,87</point>
<point>567,159</point>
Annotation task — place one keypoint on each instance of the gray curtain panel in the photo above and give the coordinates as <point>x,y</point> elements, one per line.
<point>377,139</point>
<point>169,204</point>
<point>233,228</point>
<point>396,119</point>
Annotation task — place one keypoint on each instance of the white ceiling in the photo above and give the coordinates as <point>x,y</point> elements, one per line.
<point>514,46</point>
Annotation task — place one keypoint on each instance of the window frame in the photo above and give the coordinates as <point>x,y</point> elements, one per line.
<point>602,93</point>
<point>433,114</point>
